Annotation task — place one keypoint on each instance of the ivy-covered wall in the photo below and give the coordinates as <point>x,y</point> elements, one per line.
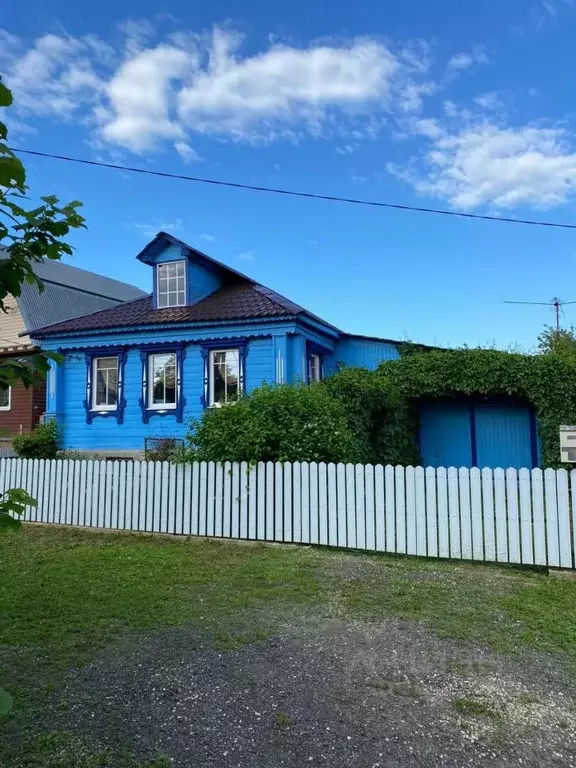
<point>547,382</point>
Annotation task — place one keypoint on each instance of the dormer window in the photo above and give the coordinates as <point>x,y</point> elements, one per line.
<point>171,288</point>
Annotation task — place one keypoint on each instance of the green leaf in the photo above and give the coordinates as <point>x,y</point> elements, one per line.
<point>12,173</point>
<point>5,95</point>
<point>6,701</point>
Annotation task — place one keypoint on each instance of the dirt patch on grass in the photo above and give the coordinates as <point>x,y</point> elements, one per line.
<point>325,692</point>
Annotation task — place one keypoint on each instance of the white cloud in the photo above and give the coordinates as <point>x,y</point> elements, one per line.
<point>208,238</point>
<point>246,256</point>
<point>411,96</point>
<point>488,164</point>
<point>461,61</point>
<point>262,96</point>
<point>152,228</point>
<point>53,77</point>
<point>186,152</point>
<point>139,96</point>
<point>489,101</point>
<point>143,93</point>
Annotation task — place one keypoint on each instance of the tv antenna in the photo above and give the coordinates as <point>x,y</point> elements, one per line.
<point>555,303</point>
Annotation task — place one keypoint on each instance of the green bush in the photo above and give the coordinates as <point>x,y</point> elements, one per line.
<point>297,422</point>
<point>42,443</point>
<point>378,416</point>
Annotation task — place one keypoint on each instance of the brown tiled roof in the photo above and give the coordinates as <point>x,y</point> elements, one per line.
<point>241,301</point>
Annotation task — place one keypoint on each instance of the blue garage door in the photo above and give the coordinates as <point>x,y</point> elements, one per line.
<point>477,434</point>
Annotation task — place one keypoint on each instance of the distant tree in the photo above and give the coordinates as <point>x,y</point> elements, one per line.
<point>28,235</point>
<point>558,341</point>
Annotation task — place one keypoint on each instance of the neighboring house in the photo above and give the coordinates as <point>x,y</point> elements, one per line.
<point>68,292</point>
<point>206,334</point>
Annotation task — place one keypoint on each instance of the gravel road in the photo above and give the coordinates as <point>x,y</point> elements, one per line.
<point>326,693</point>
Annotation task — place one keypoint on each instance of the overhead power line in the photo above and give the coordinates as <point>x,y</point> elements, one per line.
<point>295,193</point>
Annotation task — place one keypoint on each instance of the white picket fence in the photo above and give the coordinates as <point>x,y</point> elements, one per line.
<point>513,516</point>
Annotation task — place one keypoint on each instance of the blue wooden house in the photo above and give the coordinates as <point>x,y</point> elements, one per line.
<point>208,333</point>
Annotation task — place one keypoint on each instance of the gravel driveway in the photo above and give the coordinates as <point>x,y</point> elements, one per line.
<point>326,693</point>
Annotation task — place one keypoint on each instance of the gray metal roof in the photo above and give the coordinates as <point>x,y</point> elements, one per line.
<point>69,292</point>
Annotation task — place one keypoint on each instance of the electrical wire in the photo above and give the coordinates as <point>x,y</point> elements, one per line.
<point>296,193</point>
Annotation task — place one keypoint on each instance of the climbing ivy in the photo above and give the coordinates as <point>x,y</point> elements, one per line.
<point>546,381</point>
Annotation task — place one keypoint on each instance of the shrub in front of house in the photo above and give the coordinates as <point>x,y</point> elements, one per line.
<point>378,416</point>
<point>298,422</point>
<point>42,443</point>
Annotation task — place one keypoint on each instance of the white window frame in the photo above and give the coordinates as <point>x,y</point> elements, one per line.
<point>9,406</point>
<point>151,405</point>
<point>211,377</point>
<point>316,356</point>
<point>170,264</point>
<point>94,406</point>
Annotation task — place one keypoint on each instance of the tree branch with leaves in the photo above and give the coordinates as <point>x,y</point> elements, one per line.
<point>28,236</point>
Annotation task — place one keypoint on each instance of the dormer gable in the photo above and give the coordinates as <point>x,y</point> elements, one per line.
<point>182,275</point>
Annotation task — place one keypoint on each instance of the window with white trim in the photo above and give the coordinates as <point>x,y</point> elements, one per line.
<point>162,370</point>
<point>314,367</point>
<point>224,376</point>
<point>171,287</point>
<point>105,387</point>
<point>5,399</point>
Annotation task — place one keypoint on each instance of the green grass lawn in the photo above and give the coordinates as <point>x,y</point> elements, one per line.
<point>64,594</point>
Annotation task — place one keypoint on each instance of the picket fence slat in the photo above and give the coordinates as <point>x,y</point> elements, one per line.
<point>305,502</point>
<point>341,508</point>
<point>500,513</point>
<point>379,509</point>
<point>564,519</point>
<point>350,506</point>
<point>465,513</point>
<point>409,479</point>
<point>390,515</point>
<point>369,500</point>
<point>454,512</point>
<point>538,520</point>
<point>476,513</point>
<point>322,504</point>
<point>550,496</point>
<point>506,516</point>
<point>400,509</point>
<point>512,514</point>
<point>431,513</point>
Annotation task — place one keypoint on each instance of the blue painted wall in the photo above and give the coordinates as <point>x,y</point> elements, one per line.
<point>445,439</point>
<point>503,436</point>
<point>276,353</point>
<point>364,353</point>
<point>484,434</point>
<point>105,434</point>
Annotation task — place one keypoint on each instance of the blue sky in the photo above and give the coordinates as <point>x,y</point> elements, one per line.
<point>459,105</point>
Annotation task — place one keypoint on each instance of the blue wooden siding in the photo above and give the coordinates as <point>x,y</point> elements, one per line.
<point>481,434</point>
<point>445,439</point>
<point>105,434</point>
<point>364,352</point>
<point>504,436</point>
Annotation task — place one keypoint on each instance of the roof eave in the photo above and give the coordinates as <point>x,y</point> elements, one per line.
<point>46,334</point>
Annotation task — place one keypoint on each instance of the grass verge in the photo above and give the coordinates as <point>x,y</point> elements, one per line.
<point>64,594</point>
